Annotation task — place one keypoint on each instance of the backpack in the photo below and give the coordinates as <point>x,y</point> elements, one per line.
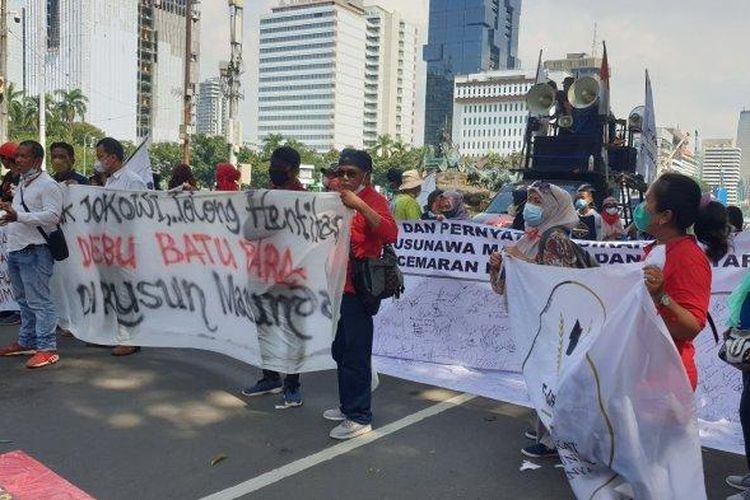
<point>583,258</point>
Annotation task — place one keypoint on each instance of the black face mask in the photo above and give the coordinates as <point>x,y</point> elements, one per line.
<point>279,177</point>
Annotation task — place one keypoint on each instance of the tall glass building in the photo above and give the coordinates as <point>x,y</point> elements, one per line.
<point>743,142</point>
<point>465,36</point>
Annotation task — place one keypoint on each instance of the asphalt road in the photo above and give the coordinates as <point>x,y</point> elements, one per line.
<point>148,426</point>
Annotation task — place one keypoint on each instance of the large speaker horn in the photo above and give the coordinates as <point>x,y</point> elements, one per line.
<point>584,92</point>
<point>635,118</point>
<point>540,99</point>
<point>565,121</point>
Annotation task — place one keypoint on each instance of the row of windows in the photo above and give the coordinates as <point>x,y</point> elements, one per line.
<point>495,108</point>
<point>321,55</point>
<point>491,145</point>
<point>491,91</point>
<point>298,17</point>
<point>299,97</point>
<point>306,117</point>
<point>280,29</point>
<point>297,88</point>
<point>294,78</point>
<point>303,107</point>
<point>296,38</point>
<point>279,69</point>
<point>309,46</point>
<point>306,137</point>
<point>494,120</point>
<point>501,132</point>
<point>319,128</point>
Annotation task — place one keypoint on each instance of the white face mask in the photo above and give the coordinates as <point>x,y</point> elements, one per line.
<point>612,211</point>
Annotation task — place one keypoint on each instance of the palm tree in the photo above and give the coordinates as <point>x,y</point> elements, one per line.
<point>71,104</point>
<point>383,147</point>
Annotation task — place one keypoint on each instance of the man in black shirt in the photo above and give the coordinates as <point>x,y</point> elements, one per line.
<point>63,159</point>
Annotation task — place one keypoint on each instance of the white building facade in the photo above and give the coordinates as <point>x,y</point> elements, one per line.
<point>490,112</point>
<point>722,161</point>
<point>312,74</point>
<point>390,77</point>
<point>212,109</point>
<point>675,149</point>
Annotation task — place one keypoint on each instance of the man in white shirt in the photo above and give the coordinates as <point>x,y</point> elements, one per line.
<point>110,154</point>
<point>35,212</point>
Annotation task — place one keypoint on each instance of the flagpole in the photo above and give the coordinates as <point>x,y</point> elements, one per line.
<point>526,151</point>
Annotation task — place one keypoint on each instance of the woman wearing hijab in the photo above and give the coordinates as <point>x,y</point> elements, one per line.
<point>452,206</point>
<point>549,216</point>
<point>612,226</point>
<point>432,208</point>
<point>182,179</point>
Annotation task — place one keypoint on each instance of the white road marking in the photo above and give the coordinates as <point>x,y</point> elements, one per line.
<point>302,464</point>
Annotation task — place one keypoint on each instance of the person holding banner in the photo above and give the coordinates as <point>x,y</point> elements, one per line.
<point>549,217</point>
<point>284,174</point>
<point>373,227</point>
<point>35,212</point>
<point>682,289</point>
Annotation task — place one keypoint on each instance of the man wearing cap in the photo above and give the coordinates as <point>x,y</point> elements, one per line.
<point>36,209</point>
<point>373,227</point>
<point>405,206</point>
<point>284,174</point>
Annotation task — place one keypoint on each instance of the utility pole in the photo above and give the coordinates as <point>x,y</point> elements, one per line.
<point>188,85</point>
<point>41,79</point>
<point>3,70</point>
<point>231,78</point>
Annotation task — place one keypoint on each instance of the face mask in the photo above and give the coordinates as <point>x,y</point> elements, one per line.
<point>279,177</point>
<point>581,204</point>
<point>642,218</point>
<point>533,215</point>
<point>99,167</point>
<point>611,211</point>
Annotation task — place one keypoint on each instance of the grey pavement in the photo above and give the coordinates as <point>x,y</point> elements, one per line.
<point>148,426</point>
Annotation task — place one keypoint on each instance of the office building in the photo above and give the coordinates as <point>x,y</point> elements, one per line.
<point>489,111</point>
<point>311,76</point>
<point>212,109</point>
<point>390,77</point>
<point>721,166</point>
<point>675,152</point>
<point>743,142</point>
<point>577,64</point>
<point>465,37</point>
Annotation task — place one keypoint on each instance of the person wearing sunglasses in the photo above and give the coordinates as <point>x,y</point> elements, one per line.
<point>373,227</point>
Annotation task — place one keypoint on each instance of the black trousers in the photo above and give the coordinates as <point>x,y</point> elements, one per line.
<point>291,381</point>
<point>352,351</point>
<point>745,414</point>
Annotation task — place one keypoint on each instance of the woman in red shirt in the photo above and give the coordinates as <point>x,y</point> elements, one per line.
<point>372,227</point>
<point>682,290</point>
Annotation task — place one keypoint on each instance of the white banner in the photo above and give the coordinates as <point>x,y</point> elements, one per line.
<point>257,276</point>
<point>606,379</point>
<point>449,316</point>
<point>7,300</point>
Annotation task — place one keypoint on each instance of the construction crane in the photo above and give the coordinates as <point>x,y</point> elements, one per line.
<point>230,75</point>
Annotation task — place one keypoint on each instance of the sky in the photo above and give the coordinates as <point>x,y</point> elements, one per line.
<point>697,51</point>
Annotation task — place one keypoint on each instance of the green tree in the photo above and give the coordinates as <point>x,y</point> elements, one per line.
<point>71,104</point>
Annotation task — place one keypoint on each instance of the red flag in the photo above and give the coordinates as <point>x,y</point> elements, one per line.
<point>604,77</point>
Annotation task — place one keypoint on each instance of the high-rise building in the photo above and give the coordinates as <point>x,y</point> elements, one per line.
<point>390,77</point>
<point>489,111</point>
<point>311,75</point>
<point>743,142</point>
<point>721,166</point>
<point>675,150</point>
<point>125,56</point>
<point>465,37</point>
<point>212,109</point>
<point>577,64</point>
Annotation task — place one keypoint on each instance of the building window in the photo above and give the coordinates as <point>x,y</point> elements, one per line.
<point>53,24</point>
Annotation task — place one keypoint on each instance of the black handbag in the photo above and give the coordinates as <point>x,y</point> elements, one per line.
<point>58,247</point>
<point>378,278</point>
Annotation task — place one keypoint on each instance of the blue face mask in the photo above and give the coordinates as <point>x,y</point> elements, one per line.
<point>581,204</point>
<point>533,215</point>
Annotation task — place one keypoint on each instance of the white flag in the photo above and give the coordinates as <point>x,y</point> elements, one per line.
<point>428,186</point>
<point>606,380</point>
<point>647,156</point>
<point>140,163</point>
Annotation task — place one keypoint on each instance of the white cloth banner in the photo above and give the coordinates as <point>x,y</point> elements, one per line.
<point>606,379</point>
<point>450,317</point>
<point>257,276</point>
<point>7,300</point>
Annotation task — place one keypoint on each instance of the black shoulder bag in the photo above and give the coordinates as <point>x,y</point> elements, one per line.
<point>55,240</point>
<point>377,278</point>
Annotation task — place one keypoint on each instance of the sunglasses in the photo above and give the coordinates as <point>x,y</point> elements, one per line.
<point>349,173</point>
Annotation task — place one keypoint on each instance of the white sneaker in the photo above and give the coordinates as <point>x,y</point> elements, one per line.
<point>745,495</point>
<point>349,429</point>
<point>334,414</point>
<point>739,482</point>
<point>375,380</point>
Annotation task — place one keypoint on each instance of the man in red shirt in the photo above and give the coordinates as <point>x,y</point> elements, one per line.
<point>284,173</point>
<point>373,227</point>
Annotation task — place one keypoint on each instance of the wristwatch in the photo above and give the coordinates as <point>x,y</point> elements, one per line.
<point>665,300</point>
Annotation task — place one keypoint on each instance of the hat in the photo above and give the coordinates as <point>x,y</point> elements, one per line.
<point>9,150</point>
<point>356,158</point>
<point>410,180</point>
<point>286,155</point>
